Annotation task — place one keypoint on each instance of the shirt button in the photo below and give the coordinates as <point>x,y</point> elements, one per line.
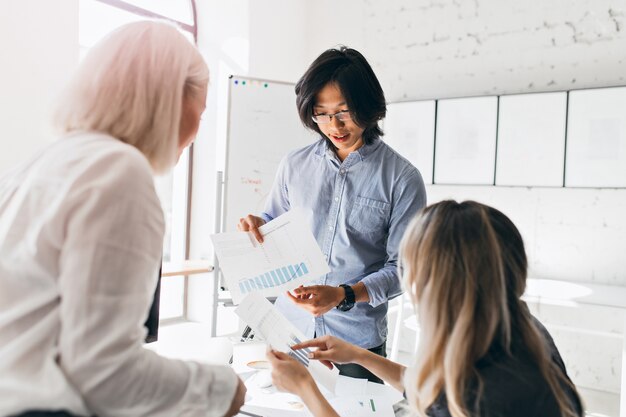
<point>336,198</point>
<point>342,171</point>
<point>330,228</point>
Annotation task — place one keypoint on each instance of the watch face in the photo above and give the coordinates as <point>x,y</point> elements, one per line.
<point>348,302</point>
<point>345,306</point>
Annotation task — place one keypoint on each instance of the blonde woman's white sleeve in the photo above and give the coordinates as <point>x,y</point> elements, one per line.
<point>108,268</point>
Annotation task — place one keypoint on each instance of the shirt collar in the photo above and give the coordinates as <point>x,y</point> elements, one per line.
<point>323,148</point>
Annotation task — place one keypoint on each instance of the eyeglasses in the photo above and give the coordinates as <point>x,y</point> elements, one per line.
<point>322,119</point>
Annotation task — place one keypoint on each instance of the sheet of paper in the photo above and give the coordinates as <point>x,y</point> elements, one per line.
<point>271,402</point>
<point>288,257</point>
<point>280,334</point>
<point>362,405</point>
<point>347,386</point>
<point>380,390</point>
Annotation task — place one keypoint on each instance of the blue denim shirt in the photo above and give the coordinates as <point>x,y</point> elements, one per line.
<point>358,210</point>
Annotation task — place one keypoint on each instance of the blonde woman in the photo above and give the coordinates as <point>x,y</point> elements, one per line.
<point>481,352</point>
<point>81,232</point>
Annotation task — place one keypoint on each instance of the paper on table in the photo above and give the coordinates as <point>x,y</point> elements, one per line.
<point>271,402</point>
<point>361,406</point>
<point>288,257</point>
<point>348,386</point>
<point>280,334</point>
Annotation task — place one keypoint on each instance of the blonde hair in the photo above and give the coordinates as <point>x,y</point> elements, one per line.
<point>464,266</point>
<point>131,86</point>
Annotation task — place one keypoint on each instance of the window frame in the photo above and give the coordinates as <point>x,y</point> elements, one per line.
<point>193,30</point>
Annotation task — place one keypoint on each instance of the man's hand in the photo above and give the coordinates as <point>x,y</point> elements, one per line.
<point>251,223</point>
<point>317,299</point>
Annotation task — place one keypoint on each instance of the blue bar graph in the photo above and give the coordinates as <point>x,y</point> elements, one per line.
<point>273,278</point>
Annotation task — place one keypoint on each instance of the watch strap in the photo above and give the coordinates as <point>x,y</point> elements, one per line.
<point>348,302</point>
<point>350,297</point>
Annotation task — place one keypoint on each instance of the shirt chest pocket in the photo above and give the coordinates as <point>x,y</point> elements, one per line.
<point>369,216</point>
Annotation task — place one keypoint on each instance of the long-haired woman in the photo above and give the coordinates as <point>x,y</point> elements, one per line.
<point>481,352</point>
<point>81,232</point>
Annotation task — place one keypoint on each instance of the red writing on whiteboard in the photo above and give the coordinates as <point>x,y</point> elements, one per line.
<point>255,181</point>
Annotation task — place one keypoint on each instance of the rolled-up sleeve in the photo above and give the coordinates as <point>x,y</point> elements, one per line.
<point>409,199</point>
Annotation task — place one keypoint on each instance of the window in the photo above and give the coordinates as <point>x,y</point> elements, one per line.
<point>96,19</point>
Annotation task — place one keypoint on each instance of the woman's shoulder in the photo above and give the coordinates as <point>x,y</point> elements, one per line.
<point>88,163</point>
<point>97,156</point>
<point>512,384</point>
<point>96,146</point>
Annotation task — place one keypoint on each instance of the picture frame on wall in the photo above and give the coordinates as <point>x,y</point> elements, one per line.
<point>465,142</point>
<point>596,138</point>
<point>531,139</point>
<point>410,130</point>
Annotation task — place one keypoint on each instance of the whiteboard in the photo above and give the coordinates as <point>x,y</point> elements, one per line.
<point>465,143</point>
<point>531,139</point>
<point>262,127</point>
<point>596,138</point>
<point>410,130</point>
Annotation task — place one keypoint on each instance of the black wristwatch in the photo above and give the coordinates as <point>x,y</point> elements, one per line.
<point>348,302</point>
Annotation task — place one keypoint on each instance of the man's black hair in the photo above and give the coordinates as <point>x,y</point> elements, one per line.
<point>351,72</point>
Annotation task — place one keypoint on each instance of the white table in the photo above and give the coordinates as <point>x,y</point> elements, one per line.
<point>348,390</point>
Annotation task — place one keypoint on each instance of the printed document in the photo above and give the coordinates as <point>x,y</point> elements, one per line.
<point>288,257</point>
<point>280,334</point>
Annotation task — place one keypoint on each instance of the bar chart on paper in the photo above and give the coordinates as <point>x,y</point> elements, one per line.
<point>274,278</point>
<point>288,257</point>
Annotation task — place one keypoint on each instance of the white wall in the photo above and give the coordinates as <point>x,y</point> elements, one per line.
<point>570,234</point>
<point>39,44</point>
<point>450,48</point>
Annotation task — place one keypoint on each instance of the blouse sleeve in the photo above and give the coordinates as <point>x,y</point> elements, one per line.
<point>107,275</point>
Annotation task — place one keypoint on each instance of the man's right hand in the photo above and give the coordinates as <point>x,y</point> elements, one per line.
<point>251,223</point>
<point>238,401</point>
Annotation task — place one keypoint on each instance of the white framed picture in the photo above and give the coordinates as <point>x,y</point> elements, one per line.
<point>410,129</point>
<point>465,142</point>
<point>596,138</point>
<point>531,139</point>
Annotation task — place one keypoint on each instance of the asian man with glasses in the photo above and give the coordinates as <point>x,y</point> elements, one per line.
<point>359,195</point>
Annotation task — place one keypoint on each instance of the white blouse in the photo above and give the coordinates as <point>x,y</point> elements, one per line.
<point>81,232</point>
